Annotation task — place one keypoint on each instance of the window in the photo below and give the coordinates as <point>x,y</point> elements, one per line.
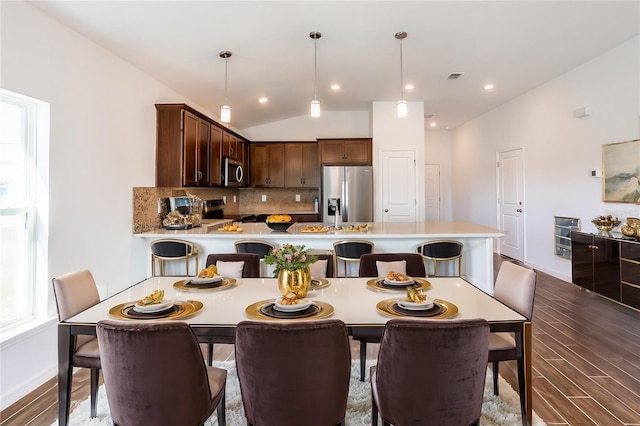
<point>23,130</point>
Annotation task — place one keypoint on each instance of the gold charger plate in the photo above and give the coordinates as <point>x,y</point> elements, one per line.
<point>226,283</point>
<point>184,309</point>
<point>231,232</point>
<point>318,283</point>
<point>254,311</point>
<point>385,307</point>
<point>373,284</point>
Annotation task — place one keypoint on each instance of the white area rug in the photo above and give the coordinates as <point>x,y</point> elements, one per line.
<point>503,410</point>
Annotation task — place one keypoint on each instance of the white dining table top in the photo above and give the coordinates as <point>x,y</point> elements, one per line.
<point>353,301</point>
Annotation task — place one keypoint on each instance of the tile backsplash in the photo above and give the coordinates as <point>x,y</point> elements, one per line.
<point>247,201</point>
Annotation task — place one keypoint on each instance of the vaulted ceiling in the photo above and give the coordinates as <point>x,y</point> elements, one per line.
<point>516,46</point>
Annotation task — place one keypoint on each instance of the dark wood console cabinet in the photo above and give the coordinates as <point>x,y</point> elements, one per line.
<point>607,265</point>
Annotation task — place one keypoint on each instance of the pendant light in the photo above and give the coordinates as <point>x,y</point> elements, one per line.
<point>315,103</point>
<point>402,109</point>
<point>225,110</point>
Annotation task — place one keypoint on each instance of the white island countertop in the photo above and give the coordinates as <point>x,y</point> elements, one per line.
<point>375,230</point>
<point>388,237</point>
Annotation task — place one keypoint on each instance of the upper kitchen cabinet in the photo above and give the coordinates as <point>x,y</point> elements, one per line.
<point>230,146</point>
<point>215,156</point>
<point>303,166</point>
<point>267,165</point>
<point>182,146</point>
<point>336,152</point>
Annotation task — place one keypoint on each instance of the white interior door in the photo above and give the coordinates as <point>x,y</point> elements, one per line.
<point>398,186</point>
<point>511,203</point>
<point>432,192</point>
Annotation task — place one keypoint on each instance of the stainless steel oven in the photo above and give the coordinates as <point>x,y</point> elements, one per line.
<point>232,173</point>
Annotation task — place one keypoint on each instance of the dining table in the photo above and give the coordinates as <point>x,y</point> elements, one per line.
<point>359,302</point>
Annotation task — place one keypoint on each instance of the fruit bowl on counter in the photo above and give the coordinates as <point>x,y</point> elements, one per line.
<point>605,223</point>
<point>279,222</point>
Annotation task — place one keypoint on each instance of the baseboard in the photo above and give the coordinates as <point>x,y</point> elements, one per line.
<point>554,274</point>
<point>11,396</point>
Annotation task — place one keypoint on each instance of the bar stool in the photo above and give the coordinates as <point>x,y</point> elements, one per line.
<point>442,251</point>
<point>259,247</point>
<point>349,251</point>
<point>171,249</point>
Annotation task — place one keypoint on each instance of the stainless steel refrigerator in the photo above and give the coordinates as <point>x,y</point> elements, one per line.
<point>346,194</point>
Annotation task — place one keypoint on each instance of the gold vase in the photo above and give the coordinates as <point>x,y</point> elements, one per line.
<point>297,282</point>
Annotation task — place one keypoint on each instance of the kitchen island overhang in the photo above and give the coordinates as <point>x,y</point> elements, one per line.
<point>388,237</point>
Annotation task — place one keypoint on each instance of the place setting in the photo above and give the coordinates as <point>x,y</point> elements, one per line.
<point>207,280</point>
<point>289,307</point>
<point>417,304</point>
<point>396,281</point>
<point>153,307</point>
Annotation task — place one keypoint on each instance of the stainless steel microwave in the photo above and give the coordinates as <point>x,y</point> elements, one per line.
<point>232,173</point>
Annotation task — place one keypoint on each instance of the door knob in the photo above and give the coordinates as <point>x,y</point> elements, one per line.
<point>519,210</point>
<point>386,210</point>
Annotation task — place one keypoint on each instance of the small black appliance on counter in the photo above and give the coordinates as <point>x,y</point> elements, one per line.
<point>213,209</point>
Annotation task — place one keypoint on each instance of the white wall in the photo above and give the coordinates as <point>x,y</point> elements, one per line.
<point>437,150</point>
<point>330,124</point>
<point>559,150</point>
<point>102,144</point>
<point>393,133</point>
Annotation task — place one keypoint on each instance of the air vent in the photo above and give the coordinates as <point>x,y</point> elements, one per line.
<point>429,115</point>
<point>455,75</point>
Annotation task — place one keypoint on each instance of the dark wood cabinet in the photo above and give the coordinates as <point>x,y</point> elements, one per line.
<point>182,149</point>
<point>303,166</point>
<point>354,151</point>
<point>190,147</point>
<point>598,265</point>
<point>267,165</point>
<point>630,274</point>
<point>230,146</point>
<point>215,156</point>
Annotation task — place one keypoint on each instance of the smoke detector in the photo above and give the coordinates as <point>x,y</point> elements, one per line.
<point>455,75</point>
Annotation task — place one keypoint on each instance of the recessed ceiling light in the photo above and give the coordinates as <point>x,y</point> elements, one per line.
<point>335,87</point>
<point>488,86</point>
<point>263,100</point>
<point>409,86</point>
<point>433,124</point>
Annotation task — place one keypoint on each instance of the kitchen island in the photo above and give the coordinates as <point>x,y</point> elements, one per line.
<point>388,237</point>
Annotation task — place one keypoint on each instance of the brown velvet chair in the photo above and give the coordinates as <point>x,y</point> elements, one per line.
<point>330,258</point>
<point>368,268</point>
<point>250,269</point>
<point>293,374</point>
<point>515,286</point>
<point>430,370</point>
<point>74,293</point>
<point>154,374</point>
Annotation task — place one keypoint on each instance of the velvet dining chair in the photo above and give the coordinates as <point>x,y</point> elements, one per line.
<point>515,286</point>
<point>154,374</point>
<point>75,292</point>
<point>430,370</point>
<point>293,374</point>
<point>248,266</point>
<point>413,266</point>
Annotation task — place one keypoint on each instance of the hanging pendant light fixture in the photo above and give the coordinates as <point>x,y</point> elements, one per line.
<point>402,109</point>
<point>315,103</point>
<point>225,109</point>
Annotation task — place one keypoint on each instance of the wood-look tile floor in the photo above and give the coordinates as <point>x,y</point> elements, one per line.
<point>586,363</point>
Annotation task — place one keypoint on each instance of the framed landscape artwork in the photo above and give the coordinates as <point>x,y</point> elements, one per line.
<point>620,172</point>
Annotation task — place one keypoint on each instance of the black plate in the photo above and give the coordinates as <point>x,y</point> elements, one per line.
<point>270,311</point>
<point>382,284</point>
<point>207,285</point>
<point>131,313</point>
<point>436,310</point>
